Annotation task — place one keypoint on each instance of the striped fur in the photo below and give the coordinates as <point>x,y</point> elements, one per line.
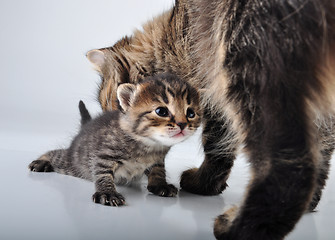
<point>267,70</point>
<point>120,146</point>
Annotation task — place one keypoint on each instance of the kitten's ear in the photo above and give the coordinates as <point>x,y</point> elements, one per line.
<point>125,93</point>
<point>97,58</point>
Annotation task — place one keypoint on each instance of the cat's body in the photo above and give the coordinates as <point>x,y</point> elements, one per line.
<point>268,70</point>
<point>118,147</point>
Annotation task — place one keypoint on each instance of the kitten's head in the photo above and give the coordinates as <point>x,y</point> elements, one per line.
<point>162,109</point>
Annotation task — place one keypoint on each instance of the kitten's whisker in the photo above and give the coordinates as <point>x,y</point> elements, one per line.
<point>119,147</point>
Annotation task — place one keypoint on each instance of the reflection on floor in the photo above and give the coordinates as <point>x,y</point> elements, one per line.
<point>52,206</point>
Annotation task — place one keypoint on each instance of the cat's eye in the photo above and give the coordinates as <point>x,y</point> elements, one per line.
<point>190,113</point>
<point>162,111</point>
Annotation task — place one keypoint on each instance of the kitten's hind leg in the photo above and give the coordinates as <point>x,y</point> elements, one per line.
<point>49,161</point>
<point>219,146</point>
<point>40,166</point>
<point>157,182</point>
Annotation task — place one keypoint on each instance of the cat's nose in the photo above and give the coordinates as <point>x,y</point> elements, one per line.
<point>182,125</point>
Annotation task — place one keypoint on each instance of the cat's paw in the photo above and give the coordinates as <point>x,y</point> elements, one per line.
<point>164,190</point>
<point>191,181</point>
<point>109,198</point>
<point>223,222</point>
<point>40,166</point>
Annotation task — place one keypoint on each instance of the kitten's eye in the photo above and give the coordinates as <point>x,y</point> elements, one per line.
<point>162,111</point>
<point>190,113</point>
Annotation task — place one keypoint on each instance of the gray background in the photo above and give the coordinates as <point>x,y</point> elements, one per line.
<point>44,72</point>
<point>43,75</point>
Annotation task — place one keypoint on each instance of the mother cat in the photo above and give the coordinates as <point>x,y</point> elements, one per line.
<point>268,67</point>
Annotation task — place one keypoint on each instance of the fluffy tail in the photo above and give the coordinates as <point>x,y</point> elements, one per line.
<point>85,115</point>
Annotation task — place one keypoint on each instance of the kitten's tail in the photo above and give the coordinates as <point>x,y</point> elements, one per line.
<point>85,115</point>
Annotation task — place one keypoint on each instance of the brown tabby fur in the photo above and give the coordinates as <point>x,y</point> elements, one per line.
<point>118,147</point>
<point>267,68</point>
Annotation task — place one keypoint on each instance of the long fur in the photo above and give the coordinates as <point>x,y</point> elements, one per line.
<point>267,70</point>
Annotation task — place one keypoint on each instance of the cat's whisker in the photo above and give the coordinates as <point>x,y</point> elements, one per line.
<point>119,147</point>
<point>265,78</point>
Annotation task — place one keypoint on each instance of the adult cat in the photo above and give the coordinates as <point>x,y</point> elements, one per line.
<point>268,70</point>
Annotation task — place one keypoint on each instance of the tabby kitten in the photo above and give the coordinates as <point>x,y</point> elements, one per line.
<point>120,146</point>
<point>268,70</point>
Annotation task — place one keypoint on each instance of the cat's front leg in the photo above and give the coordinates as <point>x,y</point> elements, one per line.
<point>219,148</point>
<point>157,182</point>
<point>106,193</point>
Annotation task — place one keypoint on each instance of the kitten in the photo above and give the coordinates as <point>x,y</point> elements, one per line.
<point>120,146</point>
<point>268,70</point>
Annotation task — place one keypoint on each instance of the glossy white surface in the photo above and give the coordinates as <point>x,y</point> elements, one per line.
<point>53,206</point>
<point>43,74</point>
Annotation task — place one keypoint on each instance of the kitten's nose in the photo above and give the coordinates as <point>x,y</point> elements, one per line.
<point>182,125</point>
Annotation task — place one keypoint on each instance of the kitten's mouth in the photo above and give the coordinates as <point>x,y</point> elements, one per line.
<point>180,134</point>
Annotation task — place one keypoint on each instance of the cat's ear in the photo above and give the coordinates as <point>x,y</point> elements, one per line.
<point>97,58</point>
<point>125,93</point>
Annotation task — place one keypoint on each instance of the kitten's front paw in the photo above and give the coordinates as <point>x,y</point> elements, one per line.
<point>224,221</point>
<point>109,198</point>
<point>191,181</point>
<point>164,190</point>
<point>40,166</point>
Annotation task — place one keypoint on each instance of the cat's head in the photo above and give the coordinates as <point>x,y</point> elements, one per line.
<point>162,109</point>
<point>116,65</point>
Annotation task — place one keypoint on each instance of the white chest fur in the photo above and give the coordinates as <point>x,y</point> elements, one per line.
<point>133,170</point>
